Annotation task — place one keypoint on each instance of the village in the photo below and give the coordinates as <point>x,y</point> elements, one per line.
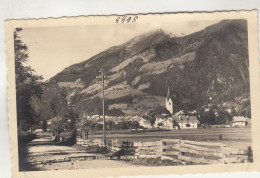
<point>168,139</point>
<point>165,120</point>
<point>139,104</point>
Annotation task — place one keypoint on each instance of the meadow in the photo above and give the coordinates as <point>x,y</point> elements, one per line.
<point>232,137</point>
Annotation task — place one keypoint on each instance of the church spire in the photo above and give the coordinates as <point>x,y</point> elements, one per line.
<point>168,94</point>
<point>169,103</point>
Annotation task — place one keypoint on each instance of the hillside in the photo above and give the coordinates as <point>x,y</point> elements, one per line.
<point>210,63</point>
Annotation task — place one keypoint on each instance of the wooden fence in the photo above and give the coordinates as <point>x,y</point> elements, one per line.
<point>113,144</point>
<point>191,152</point>
<point>89,142</point>
<point>177,150</point>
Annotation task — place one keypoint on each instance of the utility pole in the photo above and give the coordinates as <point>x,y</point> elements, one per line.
<point>58,134</point>
<point>103,105</point>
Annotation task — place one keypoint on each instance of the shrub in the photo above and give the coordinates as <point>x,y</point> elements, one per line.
<point>44,125</point>
<point>25,137</point>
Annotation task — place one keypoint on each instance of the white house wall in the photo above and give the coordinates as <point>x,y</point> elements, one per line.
<point>193,125</point>
<point>239,124</point>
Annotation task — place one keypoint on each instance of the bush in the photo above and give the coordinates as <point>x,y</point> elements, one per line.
<point>44,125</point>
<point>25,137</point>
<point>68,138</point>
<point>115,112</point>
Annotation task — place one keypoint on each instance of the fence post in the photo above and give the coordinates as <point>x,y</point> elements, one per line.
<point>180,153</point>
<point>249,154</point>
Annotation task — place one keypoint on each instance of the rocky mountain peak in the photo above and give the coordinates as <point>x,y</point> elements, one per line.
<point>194,66</point>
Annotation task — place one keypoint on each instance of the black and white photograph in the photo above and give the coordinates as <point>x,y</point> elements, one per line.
<point>129,94</point>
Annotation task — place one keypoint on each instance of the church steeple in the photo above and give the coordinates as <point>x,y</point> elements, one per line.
<point>168,94</point>
<point>169,103</point>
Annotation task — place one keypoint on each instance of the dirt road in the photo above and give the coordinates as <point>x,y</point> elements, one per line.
<point>43,154</point>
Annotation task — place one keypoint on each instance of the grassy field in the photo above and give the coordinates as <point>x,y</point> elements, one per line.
<point>232,137</point>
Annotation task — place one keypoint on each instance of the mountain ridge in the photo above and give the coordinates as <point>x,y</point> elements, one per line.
<point>212,62</point>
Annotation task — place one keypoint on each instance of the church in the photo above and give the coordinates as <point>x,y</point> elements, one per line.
<point>169,103</point>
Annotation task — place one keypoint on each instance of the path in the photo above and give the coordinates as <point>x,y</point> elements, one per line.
<point>43,154</point>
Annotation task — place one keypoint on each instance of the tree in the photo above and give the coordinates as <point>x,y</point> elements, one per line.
<point>151,117</point>
<point>124,125</point>
<point>135,125</point>
<point>27,84</point>
<point>175,124</point>
<point>44,126</point>
<point>93,106</point>
<point>115,112</point>
<point>88,125</point>
<point>110,125</point>
<point>223,117</point>
<point>52,104</point>
<point>210,116</point>
<point>72,116</point>
<point>207,117</point>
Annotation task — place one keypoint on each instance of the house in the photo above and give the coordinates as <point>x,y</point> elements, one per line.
<point>169,103</point>
<point>94,117</point>
<point>229,110</point>
<point>206,109</point>
<point>168,123</point>
<point>158,122</point>
<point>116,120</point>
<point>239,121</point>
<point>186,122</point>
<point>163,123</point>
<point>145,123</point>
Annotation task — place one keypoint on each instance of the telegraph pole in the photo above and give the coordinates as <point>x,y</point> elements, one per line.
<point>103,105</point>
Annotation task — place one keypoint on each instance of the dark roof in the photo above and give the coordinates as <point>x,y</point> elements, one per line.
<point>184,119</point>
<point>146,117</point>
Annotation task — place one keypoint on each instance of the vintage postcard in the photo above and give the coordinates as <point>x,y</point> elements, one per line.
<point>138,94</point>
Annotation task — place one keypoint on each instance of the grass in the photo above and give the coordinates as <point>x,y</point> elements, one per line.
<point>154,162</point>
<point>233,137</point>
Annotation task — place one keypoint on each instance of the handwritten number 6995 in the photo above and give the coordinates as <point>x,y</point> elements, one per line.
<point>126,19</point>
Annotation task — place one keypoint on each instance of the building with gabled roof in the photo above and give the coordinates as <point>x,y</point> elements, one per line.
<point>163,123</point>
<point>240,121</point>
<point>186,122</point>
<point>145,122</point>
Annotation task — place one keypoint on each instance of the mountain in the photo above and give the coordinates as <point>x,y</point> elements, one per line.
<point>212,63</point>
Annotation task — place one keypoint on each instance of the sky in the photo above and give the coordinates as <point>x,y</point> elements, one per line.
<point>52,49</point>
